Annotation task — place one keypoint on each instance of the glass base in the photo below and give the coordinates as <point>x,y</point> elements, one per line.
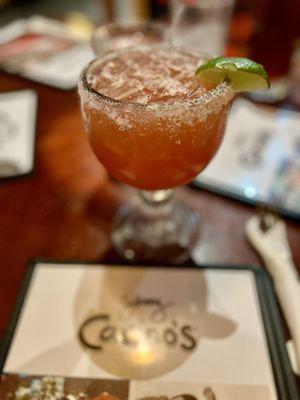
<point>156,229</point>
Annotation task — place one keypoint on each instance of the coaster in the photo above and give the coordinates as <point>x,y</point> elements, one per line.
<point>259,159</point>
<point>18,111</point>
<point>43,50</point>
<point>204,332</point>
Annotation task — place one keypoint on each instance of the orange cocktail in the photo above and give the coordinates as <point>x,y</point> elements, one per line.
<point>154,126</point>
<point>158,127</point>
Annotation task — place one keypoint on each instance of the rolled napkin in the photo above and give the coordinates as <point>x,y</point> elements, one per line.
<point>273,247</point>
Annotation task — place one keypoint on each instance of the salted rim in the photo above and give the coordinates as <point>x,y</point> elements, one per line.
<point>218,92</point>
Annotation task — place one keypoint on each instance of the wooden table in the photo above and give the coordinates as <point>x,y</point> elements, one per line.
<point>64,210</point>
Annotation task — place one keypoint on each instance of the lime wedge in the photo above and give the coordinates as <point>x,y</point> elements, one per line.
<point>242,73</point>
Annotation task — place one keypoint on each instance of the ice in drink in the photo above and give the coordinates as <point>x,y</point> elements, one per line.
<point>150,122</point>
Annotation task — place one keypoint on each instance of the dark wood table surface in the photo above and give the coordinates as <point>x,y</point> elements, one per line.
<point>64,210</point>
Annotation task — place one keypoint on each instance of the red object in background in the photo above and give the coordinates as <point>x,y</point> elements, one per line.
<point>33,44</point>
<point>190,2</point>
<point>241,29</point>
<point>277,27</point>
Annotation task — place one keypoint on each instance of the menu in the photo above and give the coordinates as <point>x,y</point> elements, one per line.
<point>259,159</point>
<point>43,50</point>
<point>17,132</point>
<point>145,332</point>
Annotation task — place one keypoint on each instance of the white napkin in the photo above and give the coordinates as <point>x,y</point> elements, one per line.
<point>274,249</point>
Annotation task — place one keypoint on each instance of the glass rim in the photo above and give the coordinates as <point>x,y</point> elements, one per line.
<point>215,93</point>
<point>162,26</point>
<point>204,3</point>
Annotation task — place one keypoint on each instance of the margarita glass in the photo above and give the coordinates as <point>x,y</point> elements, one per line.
<point>118,35</point>
<point>153,126</point>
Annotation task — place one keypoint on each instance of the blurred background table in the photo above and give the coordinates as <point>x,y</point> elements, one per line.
<point>64,210</point>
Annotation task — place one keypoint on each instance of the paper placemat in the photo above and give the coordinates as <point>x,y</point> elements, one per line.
<point>259,159</point>
<point>17,132</point>
<point>167,331</point>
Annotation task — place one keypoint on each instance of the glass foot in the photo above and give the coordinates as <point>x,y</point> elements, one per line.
<point>156,229</point>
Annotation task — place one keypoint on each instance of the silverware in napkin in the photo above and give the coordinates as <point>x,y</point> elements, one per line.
<point>8,168</point>
<point>267,233</point>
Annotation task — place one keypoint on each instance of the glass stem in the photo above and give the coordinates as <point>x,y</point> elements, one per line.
<point>156,198</point>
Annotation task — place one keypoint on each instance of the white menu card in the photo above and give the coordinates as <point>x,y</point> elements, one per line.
<point>259,159</point>
<point>167,331</point>
<point>43,50</point>
<point>17,132</point>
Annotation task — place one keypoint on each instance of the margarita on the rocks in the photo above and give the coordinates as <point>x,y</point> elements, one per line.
<point>151,123</point>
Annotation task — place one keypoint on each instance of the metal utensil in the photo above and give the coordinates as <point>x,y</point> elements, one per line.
<point>267,233</point>
<point>8,168</point>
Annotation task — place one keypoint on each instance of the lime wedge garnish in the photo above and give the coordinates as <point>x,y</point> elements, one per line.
<point>242,73</point>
